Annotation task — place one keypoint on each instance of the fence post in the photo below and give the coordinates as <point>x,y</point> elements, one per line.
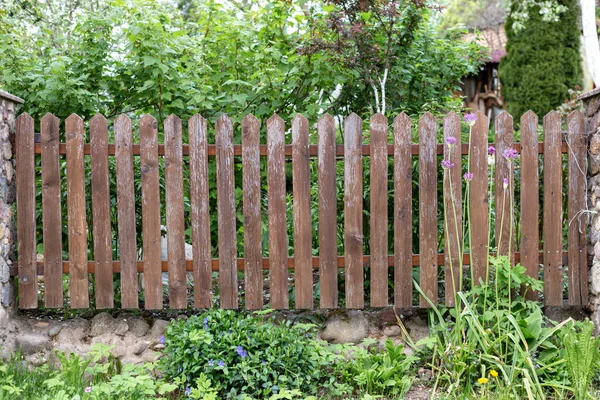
<point>8,106</point>
<point>591,101</point>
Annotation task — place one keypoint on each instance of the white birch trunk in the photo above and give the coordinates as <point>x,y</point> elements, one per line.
<point>590,39</point>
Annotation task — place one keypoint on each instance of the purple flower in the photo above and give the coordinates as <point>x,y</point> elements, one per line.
<point>211,362</point>
<point>468,176</point>
<point>88,389</point>
<point>241,352</point>
<point>510,154</point>
<point>221,363</point>
<point>447,164</point>
<point>205,323</point>
<point>470,118</point>
<point>161,340</point>
<point>491,150</point>
<point>188,391</point>
<point>505,183</point>
<point>450,140</point>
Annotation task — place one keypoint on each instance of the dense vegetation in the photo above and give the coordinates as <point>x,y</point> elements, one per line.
<point>543,60</point>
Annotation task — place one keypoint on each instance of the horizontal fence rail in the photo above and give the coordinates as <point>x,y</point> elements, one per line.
<point>394,197</point>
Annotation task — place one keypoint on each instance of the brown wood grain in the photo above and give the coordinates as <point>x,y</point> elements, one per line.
<point>25,178</point>
<point>504,194</point>
<point>278,241</point>
<point>453,226</point>
<point>328,274</point>
<point>403,223</point>
<point>302,217</point>
<point>379,211</point>
<point>174,209</point>
<point>226,213</point>
<point>101,212</point>
<point>252,215</point>
<point>51,212</point>
<point>153,298</point>
<point>126,212</point>
<point>428,209</point>
<point>530,207</point>
<point>353,212</point>
<point>201,249</point>
<point>479,198</point>
<point>552,228</point>
<point>578,277</point>
<point>78,274</point>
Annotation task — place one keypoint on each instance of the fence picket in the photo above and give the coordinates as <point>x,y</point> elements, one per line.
<point>453,208</point>
<point>153,298</point>
<point>226,213</point>
<point>51,212</point>
<point>379,211</point>
<point>479,198</point>
<point>530,207</point>
<point>504,194</point>
<point>578,279</point>
<point>302,218</point>
<point>252,215</point>
<point>78,272</point>
<point>200,212</point>
<point>328,271</point>
<point>552,210</point>
<point>278,242</point>
<point>25,168</point>
<point>403,212</point>
<point>175,222</point>
<point>428,209</point>
<point>353,210</point>
<point>126,212</point>
<point>101,212</point>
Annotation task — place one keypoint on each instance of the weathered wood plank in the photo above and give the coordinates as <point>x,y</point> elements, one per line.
<point>200,212</point>
<point>175,222</point>
<point>428,209</point>
<point>252,215</point>
<point>278,242</point>
<point>101,212</point>
<point>328,274</point>
<point>578,277</point>
<point>530,207</point>
<point>402,212</point>
<point>153,298</point>
<point>479,198</point>
<point>226,213</point>
<point>302,218</point>
<point>552,210</point>
<point>353,210</point>
<point>453,208</point>
<point>78,274</point>
<point>504,192</point>
<point>126,212</point>
<point>25,178</point>
<point>379,211</point>
<point>51,212</point>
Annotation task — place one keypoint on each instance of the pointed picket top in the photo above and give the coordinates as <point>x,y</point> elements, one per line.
<point>74,118</point>
<point>73,126</point>
<point>504,118</point>
<point>529,117</point>
<point>173,117</point>
<point>353,117</point>
<point>574,116</point>
<point>224,130</point>
<point>428,116</point>
<point>402,120</point>
<point>427,124</point>
<point>326,119</point>
<point>275,121</point>
<point>481,121</point>
<point>173,122</point>
<point>149,119</point>
<point>379,122</point>
<point>122,121</point>
<point>250,119</point>
<point>299,127</point>
<point>275,130</point>
<point>24,118</point>
<point>97,118</point>
<point>224,121</point>
<point>451,116</point>
<point>48,117</point>
<point>552,116</point>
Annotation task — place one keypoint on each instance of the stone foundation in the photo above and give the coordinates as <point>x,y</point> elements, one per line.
<point>591,102</point>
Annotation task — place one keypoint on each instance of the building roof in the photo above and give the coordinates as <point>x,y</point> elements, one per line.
<point>494,39</point>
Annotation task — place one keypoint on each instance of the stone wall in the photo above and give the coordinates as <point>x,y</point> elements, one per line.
<point>591,102</point>
<point>8,106</point>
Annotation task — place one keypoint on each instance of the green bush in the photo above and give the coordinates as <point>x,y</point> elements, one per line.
<point>241,355</point>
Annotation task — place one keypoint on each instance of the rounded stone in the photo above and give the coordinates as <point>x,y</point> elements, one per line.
<point>350,327</point>
<point>138,327</point>
<point>139,348</point>
<point>392,331</point>
<point>103,323</point>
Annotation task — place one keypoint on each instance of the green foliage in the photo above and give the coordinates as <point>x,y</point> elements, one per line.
<point>582,355</point>
<point>379,373</point>
<point>239,354</point>
<point>543,60</point>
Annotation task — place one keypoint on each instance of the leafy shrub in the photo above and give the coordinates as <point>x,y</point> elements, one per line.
<point>582,356</point>
<point>241,355</point>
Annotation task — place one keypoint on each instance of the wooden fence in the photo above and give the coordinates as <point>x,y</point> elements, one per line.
<point>551,151</point>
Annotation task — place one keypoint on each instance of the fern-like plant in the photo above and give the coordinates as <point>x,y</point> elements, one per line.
<point>582,356</point>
